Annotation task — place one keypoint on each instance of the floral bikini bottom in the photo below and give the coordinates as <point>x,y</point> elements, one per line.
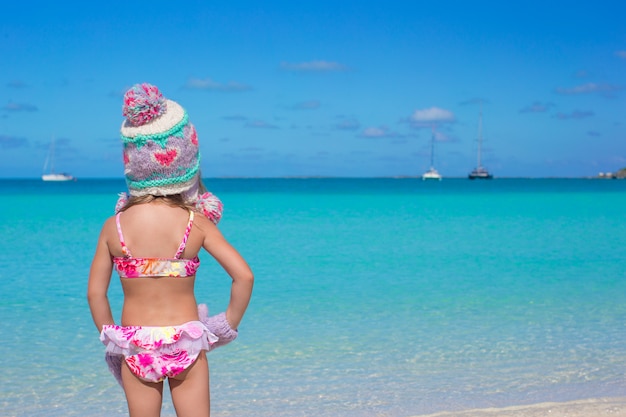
<point>155,353</point>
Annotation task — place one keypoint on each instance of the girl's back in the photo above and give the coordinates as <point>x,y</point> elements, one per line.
<point>156,230</point>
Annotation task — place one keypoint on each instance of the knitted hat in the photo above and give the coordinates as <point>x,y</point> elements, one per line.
<point>161,153</point>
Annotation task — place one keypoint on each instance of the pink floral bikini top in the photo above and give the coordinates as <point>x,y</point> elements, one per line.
<point>129,267</point>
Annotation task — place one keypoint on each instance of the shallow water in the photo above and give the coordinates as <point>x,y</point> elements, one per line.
<point>373,297</point>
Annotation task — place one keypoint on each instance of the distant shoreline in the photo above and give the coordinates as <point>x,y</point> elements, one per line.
<point>304,177</point>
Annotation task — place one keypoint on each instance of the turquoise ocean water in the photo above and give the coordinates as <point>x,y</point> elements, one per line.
<point>373,297</point>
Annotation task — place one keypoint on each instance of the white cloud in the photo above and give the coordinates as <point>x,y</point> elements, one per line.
<point>432,114</point>
<point>374,132</point>
<point>378,132</point>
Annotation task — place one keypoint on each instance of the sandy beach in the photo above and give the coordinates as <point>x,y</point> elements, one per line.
<point>597,407</point>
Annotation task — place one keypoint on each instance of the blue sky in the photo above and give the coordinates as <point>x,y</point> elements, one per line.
<point>329,88</point>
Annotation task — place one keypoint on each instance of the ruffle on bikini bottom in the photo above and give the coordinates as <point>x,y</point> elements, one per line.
<point>154,353</point>
<point>219,334</point>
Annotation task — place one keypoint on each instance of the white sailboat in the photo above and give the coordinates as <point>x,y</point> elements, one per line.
<point>480,172</point>
<point>432,173</point>
<point>48,168</point>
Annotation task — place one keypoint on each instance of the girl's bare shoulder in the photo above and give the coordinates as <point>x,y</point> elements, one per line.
<point>109,224</point>
<point>109,228</point>
<point>203,223</point>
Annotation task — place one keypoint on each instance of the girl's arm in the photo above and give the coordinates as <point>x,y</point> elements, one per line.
<point>99,279</point>
<point>234,264</point>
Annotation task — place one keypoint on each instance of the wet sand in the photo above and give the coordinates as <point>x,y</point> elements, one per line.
<point>597,407</point>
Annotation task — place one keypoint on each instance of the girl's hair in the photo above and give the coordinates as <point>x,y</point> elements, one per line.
<point>174,200</point>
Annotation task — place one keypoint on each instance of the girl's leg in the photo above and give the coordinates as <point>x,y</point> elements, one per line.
<point>144,398</point>
<point>190,390</point>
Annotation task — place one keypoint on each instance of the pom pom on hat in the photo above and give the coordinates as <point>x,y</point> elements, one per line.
<point>211,206</point>
<point>143,103</point>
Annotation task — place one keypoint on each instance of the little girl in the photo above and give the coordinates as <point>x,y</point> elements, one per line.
<point>153,243</point>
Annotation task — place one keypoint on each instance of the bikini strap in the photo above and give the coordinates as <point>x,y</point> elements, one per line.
<point>181,248</point>
<point>125,250</point>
